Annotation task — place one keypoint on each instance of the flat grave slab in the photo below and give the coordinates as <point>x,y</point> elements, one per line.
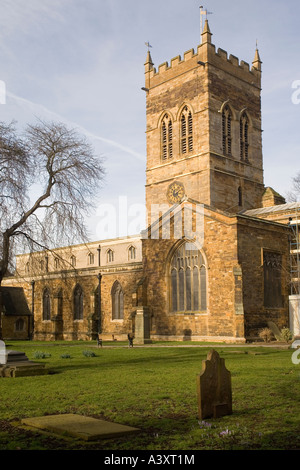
<point>82,427</point>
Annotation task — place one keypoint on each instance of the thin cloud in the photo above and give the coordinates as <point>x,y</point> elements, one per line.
<point>38,108</point>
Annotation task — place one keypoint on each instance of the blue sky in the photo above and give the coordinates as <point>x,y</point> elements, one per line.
<point>82,62</point>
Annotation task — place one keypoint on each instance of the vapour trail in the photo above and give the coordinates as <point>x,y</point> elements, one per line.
<point>35,107</point>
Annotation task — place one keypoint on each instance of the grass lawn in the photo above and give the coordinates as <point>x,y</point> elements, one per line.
<point>154,389</point>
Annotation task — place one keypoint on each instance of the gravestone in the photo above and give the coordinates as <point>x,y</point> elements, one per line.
<point>17,364</point>
<point>142,326</point>
<point>214,388</point>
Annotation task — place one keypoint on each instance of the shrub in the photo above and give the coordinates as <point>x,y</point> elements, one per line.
<point>88,353</point>
<point>65,356</point>
<point>286,334</point>
<point>266,334</point>
<point>41,355</point>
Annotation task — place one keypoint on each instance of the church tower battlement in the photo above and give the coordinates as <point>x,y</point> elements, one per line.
<point>204,129</point>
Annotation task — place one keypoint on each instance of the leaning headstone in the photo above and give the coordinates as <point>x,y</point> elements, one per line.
<point>214,388</point>
<point>275,330</point>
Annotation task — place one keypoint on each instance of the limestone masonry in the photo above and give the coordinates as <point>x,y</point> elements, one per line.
<point>214,261</point>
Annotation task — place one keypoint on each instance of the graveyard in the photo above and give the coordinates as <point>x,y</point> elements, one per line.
<point>154,390</point>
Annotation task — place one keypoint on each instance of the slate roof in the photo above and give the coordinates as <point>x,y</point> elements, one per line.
<point>14,301</point>
<point>272,209</point>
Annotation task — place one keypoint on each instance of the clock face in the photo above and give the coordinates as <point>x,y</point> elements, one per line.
<point>175,193</point>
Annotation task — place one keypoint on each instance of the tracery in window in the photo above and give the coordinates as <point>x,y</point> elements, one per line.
<point>188,290</point>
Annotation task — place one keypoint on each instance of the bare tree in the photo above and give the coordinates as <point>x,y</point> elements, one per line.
<point>294,194</point>
<point>49,181</point>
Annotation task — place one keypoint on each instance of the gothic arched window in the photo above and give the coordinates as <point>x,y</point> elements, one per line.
<point>131,252</point>
<point>186,131</point>
<point>226,130</point>
<point>272,265</point>
<point>188,280</point>
<point>166,138</point>
<point>110,256</point>
<point>78,302</point>
<point>91,258</point>
<point>46,305</point>
<point>244,137</point>
<point>117,298</point>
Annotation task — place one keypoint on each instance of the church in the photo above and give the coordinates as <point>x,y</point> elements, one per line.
<point>214,262</point>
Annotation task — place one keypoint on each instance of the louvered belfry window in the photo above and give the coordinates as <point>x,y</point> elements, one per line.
<point>226,130</point>
<point>186,131</point>
<point>166,138</point>
<point>244,137</point>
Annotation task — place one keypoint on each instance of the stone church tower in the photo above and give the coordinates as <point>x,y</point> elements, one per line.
<point>204,148</point>
<point>204,129</point>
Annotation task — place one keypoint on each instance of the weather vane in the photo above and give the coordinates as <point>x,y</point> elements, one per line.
<point>202,13</point>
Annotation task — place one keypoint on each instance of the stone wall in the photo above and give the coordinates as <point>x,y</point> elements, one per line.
<point>223,320</point>
<point>254,237</point>
<point>62,325</point>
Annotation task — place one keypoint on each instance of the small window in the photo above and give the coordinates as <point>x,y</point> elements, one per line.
<point>110,256</point>
<point>132,253</point>
<point>19,326</point>
<point>240,196</point>
<point>73,261</point>
<point>56,263</point>
<point>91,258</point>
